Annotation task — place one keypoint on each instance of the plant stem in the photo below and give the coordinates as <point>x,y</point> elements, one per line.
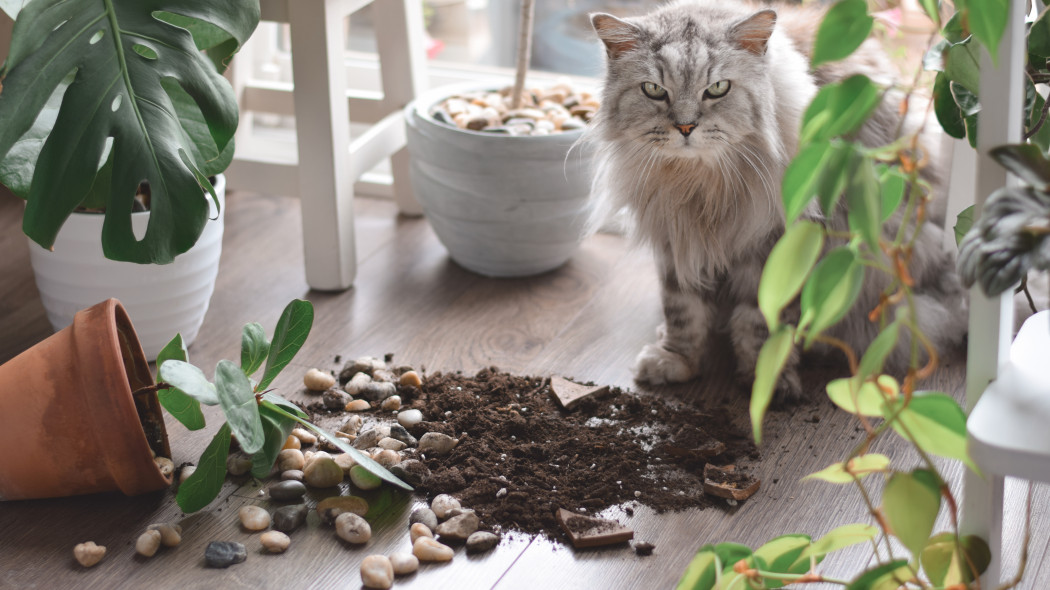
<point>528,9</point>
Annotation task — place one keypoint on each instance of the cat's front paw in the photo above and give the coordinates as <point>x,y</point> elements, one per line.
<point>656,365</point>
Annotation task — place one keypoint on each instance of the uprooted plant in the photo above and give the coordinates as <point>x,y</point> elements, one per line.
<point>260,419</point>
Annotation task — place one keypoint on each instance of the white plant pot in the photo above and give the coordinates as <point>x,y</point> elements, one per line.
<point>161,299</point>
<point>503,206</point>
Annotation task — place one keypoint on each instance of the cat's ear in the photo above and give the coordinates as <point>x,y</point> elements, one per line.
<point>619,36</point>
<point>753,34</point>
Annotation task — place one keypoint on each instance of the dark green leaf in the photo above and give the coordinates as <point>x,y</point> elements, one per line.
<point>830,291</point>
<point>987,21</point>
<point>781,556</point>
<point>770,363</point>
<point>936,424</point>
<point>953,30</point>
<point>1026,161</point>
<point>1041,137</point>
<point>962,65</point>
<point>963,223</point>
<point>948,113</point>
<point>288,337</point>
<point>845,26</point>
<point>702,572</point>
<point>16,168</point>
<point>933,59</point>
<point>883,577</point>
<point>190,380</point>
<point>875,356</point>
<point>276,428</point>
<point>971,130</point>
<point>787,267</point>
<point>859,466</point>
<point>210,157</point>
<point>254,348</point>
<point>206,36</point>
<point>864,198</point>
<point>839,109</point>
<point>206,482</point>
<point>946,565</point>
<point>840,538</point>
<point>118,93</point>
<point>911,502</point>
<point>801,177</point>
<point>238,404</point>
<point>968,103</point>
<point>181,406</point>
<point>1039,36</point>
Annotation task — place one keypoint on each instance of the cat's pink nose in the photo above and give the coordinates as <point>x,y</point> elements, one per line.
<point>685,128</point>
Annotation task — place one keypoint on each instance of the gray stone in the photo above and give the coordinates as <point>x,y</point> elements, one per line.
<point>481,541</point>
<point>398,432</point>
<point>412,471</point>
<point>425,516</point>
<point>224,553</point>
<point>335,399</point>
<point>287,490</point>
<point>367,439</point>
<point>378,390</point>
<point>292,475</point>
<point>288,518</point>
<point>459,527</point>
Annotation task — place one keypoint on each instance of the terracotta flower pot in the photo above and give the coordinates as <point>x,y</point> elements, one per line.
<point>69,423</point>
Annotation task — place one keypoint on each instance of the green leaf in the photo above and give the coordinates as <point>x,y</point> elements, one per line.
<point>288,337</point>
<point>16,168</point>
<point>285,405</point>
<point>206,481</point>
<point>892,183</point>
<point>219,46</point>
<point>910,503</point>
<point>1039,36</point>
<point>971,130</point>
<point>702,572</point>
<point>845,26</point>
<point>801,178</point>
<point>118,93</point>
<point>210,157</point>
<point>963,223</point>
<point>1042,136</point>
<point>866,400</point>
<point>933,59</point>
<point>932,10</point>
<point>875,357</point>
<point>787,267</point>
<point>771,360</point>
<point>239,405</point>
<point>945,565</point>
<point>276,428</point>
<point>254,348</point>
<point>190,380</point>
<point>830,291</point>
<point>864,199</point>
<point>987,20</point>
<point>781,556</point>
<point>948,113</point>
<point>953,30</point>
<point>181,406</point>
<point>967,101</point>
<point>839,109</point>
<point>860,466</point>
<point>840,538</point>
<point>937,425</point>
<point>1026,161</point>
<point>837,171</point>
<point>887,576</point>
<point>962,65</point>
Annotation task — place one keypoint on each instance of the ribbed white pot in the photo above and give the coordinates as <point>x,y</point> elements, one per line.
<point>503,206</point>
<point>161,299</point>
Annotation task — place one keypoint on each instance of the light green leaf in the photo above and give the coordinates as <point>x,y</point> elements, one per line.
<point>801,178</point>
<point>181,406</point>
<point>276,428</point>
<point>865,203</point>
<point>987,20</point>
<point>190,380</point>
<point>963,223</point>
<point>285,405</point>
<point>837,171</point>
<point>830,291</point>
<point>937,425</point>
<point>867,400</point>
<point>839,109</point>
<point>840,538</point>
<point>860,466</point>
<point>875,357</point>
<point>962,65</point>
<point>946,566</point>
<point>254,348</point>
<point>118,93</point>
<point>892,183</point>
<point>887,576</point>
<point>910,503</point>
<point>787,267</point>
<point>288,337</point>
<point>238,404</point>
<point>771,360</point>
<point>781,556</point>
<point>206,481</point>
<point>845,26</point>
<point>702,571</point>
<point>931,9</point>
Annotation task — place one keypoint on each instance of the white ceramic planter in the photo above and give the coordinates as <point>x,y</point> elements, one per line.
<point>161,300</point>
<point>503,206</point>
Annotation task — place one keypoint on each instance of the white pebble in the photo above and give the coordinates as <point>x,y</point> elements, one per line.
<point>502,492</point>
<point>290,459</point>
<point>387,458</point>
<point>165,465</point>
<point>305,436</point>
<point>418,530</point>
<point>254,518</point>
<point>316,380</point>
<point>377,572</point>
<point>358,383</point>
<point>275,541</point>
<point>186,472</point>
<point>404,563</point>
<point>352,425</point>
<point>363,479</point>
<point>238,464</point>
<point>437,444</point>
<point>427,549</point>
<point>170,534</point>
<point>345,461</point>
<point>352,528</point>
<point>409,418</point>
<point>148,543</point>
<point>323,472</point>
<point>391,443</point>
<point>443,504</point>
<point>88,554</point>
<point>392,403</point>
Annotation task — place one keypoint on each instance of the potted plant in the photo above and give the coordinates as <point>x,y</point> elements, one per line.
<point>114,108</point>
<point>503,204</point>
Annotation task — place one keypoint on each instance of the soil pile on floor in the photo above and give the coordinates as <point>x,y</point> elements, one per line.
<point>521,456</point>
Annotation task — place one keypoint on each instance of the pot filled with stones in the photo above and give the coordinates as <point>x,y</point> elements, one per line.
<point>505,189</point>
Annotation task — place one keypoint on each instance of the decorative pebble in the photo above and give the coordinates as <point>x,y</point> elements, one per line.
<point>254,518</point>
<point>170,534</point>
<point>404,563</point>
<point>409,418</point>
<point>367,439</point>
<point>148,543</point>
<point>287,490</point>
<point>398,432</point>
<point>323,473</point>
<point>358,384</point>
<point>316,380</point>
<point>352,528</point>
<point>357,405</point>
<point>186,472</point>
<point>88,554</point>
<point>364,479</point>
<point>292,442</point>
<point>387,458</point>
<point>481,541</point>
<point>288,518</point>
<point>459,527</point>
<point>545,110</point>
<point>292,475</point>
<point>290,459</point>
<point>378,390</point>
<point>457,512</point>
<point>437,444</point>
<point>330,508</point>
<point>442,504</point>
<point>391,404</point>
<point>410,379</point>
<point>305,436</point>
<point>427,549</point>
<point>335,399</point>
<point>391,443</point>
<point>311,456</point>
<point>238,464</point>
<point>345,461</point>
<point>418,530</point>
<point>275,541</point>
<point>224,553</point>
<point>424,516</point>
<point>352,425</point>
<point>501,493</point>
<point>411,471</point>
<point>167,468</point>
<point>377,572</point>
<point>384,375</point>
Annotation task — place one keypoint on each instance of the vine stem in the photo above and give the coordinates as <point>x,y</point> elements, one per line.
<point>152,388</point>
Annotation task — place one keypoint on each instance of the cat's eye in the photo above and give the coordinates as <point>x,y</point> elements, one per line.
<point>654,91</point>
<point>717,90</point>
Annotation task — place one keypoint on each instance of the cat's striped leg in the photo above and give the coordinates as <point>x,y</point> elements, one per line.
<point>748,332</point>
<point>676,356</point>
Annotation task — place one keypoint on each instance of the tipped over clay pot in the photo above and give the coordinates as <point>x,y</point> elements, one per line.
<point>69,422</point>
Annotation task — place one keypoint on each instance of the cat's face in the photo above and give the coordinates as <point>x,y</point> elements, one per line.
<point>686,82</point>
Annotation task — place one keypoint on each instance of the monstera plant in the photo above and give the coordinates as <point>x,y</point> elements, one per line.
<point>100,96</point>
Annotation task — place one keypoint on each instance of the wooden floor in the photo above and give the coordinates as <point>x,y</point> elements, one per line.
<point>587,320</point>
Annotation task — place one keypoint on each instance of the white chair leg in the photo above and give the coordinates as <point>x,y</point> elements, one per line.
<point>323,129</point>
<point>983,516</point>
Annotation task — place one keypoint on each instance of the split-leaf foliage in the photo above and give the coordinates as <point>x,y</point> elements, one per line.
<point>259,419</point>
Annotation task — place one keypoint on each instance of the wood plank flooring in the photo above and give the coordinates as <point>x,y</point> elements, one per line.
<point>587,320</point>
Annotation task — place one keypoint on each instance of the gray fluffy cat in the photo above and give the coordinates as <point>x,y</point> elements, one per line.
<point>700,115</point>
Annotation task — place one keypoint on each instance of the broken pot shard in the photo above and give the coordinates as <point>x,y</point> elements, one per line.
<point>569,394</point>
<point>588,531</point>
<point>727,483</point>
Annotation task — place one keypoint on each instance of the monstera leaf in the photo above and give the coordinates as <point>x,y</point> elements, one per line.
<point>122,83</point>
